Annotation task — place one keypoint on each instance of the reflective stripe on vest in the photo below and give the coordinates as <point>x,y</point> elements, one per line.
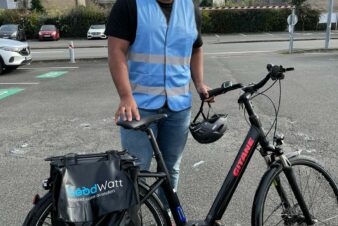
<point>160,90</point>
<point>159,59</point>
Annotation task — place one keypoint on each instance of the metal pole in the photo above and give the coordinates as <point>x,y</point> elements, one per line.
<point>292,30</point>
<point>71,52</point>
<point>328,26</point>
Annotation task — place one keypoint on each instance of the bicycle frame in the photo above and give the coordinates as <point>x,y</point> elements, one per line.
<point>254,137</point>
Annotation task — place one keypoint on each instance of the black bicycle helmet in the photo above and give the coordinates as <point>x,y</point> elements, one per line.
<point>209,129</point>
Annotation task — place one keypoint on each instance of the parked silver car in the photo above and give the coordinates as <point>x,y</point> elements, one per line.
<point>12,31</point>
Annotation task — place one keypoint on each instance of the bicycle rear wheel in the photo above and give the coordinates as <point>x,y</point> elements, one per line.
<point>152,212</point>
<point>317,186</point>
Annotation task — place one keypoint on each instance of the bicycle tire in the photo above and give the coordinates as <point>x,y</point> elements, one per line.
<point>41,212</point>
<point>319,190</point>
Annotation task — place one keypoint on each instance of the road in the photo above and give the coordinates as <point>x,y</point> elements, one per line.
<point>59,108</point>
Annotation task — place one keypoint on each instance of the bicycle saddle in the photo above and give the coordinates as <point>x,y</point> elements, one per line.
<point>142,124</point>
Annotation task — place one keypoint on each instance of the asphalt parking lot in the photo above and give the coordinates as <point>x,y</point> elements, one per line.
<point>56,108</point>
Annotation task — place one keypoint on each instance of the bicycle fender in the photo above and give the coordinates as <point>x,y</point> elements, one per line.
<point>291,156</point>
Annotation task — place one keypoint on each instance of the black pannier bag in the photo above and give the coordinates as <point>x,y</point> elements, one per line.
<point>95,189</point>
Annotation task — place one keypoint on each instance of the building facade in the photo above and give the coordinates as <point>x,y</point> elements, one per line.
<point>8,4</point>
<point>62,4</point>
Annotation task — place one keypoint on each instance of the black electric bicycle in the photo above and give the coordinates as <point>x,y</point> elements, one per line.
<point>295,189</point>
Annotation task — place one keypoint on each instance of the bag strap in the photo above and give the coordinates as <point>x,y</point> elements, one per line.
<point>114,156</point>
<point>71,159</point>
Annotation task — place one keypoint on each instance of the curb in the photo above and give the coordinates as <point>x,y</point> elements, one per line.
<point>272,40</point>
<point>68,61</point>
<point>299,51</point>
<point>66,47</point>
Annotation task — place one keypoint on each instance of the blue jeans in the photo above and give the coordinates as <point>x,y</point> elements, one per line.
<point>171,134</point>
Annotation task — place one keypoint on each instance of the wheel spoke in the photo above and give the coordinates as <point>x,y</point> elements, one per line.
<point>279,222</point>
<point>273,212</point>
<point>317,188</point>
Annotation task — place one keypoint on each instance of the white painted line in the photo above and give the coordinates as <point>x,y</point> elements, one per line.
<point>243,35</point>
<point>19,83</point>
<point>56,51</point>
<point>244,52</point>
<point>268,33</point>
<point>198,163</point>
<point>35,68</point>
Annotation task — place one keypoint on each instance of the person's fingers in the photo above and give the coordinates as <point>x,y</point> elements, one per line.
<point>136,113</point>
<point>117,114</point>
<point>122,113</point>
<point>206,94</point>
<point>128,114</point>
<point>210,99</point>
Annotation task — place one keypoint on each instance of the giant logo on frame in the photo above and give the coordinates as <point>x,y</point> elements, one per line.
<point>243,157</point>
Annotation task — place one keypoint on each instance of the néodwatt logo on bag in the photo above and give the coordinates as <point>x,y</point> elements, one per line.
<point>97,190</point>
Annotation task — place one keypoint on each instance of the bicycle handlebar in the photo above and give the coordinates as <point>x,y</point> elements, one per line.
<point>223,89</point>
<point>275,72</point>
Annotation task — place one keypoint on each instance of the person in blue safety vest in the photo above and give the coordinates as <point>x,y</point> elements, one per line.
<point>155,49</point>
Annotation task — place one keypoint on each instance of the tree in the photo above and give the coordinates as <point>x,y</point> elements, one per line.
<point>37,6</point>
<point>297,2</point>
<point>22,4</point>
<point>307,16</point>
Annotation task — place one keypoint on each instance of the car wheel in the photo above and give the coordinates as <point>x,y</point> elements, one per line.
<point>1,67</point>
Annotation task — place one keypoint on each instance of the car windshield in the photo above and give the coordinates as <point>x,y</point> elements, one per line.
<point>10,27</point>
<point>48,28</point>
<point>99,26</point>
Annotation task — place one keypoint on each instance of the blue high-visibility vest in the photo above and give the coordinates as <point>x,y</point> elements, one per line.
<point>159,58</point>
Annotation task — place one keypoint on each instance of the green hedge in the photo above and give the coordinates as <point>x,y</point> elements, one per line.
<point>78,20</point>
<point>75,23</point>
<point>226,21</point>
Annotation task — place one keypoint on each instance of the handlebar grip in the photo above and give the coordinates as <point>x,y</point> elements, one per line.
<point>221,90</point>
<point>215,92</point>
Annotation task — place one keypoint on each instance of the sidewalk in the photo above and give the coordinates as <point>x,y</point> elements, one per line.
<point>208,39</point>
<point>266,37</point>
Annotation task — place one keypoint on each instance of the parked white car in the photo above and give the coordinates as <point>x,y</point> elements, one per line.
<point>13,54</point>
<point>96,31</point>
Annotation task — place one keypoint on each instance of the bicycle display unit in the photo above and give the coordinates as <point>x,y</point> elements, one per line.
<point>294,190</point>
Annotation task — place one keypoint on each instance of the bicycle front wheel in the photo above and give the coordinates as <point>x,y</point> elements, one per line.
<point>275,203</point>
<point>152,212</point>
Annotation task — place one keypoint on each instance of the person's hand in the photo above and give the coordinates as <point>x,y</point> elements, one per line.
<point>127,109</point>
<point>202,89</point>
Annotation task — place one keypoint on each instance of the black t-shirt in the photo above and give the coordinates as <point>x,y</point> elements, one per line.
<point>122,22</point>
